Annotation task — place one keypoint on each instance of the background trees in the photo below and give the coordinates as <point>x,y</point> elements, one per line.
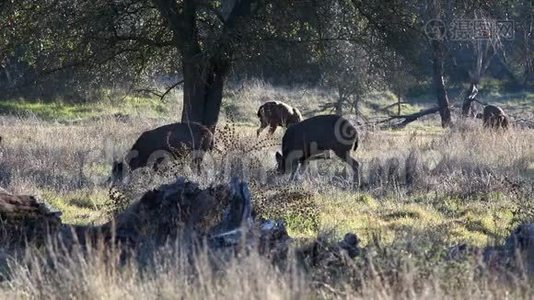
<point>75,48</point>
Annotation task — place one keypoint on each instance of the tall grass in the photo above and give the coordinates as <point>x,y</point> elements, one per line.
<point>423,189</point>
<point>169,273</point>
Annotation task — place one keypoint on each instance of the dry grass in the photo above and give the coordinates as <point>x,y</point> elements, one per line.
<point>424,189</point>
<point>168,273</point>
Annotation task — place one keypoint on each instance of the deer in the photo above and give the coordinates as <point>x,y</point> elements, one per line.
<point>277,113</point>
<point>314,138</point>
<point>162,144</point>
<point>494,117</point>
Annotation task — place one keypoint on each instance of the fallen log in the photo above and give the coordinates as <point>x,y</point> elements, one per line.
<point>181,210</point>
<point>409,118</point>
<point>25,218</point>
<point>219,215</point>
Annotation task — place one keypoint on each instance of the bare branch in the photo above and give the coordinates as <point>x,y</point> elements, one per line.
<point>385,109</point>
<point>409,118</point>
<point>149,91</point>
<point>170,88</point>
<point>157,93</point>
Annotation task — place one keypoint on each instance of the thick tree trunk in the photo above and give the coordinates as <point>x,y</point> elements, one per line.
<point>439,82</point>
<point>204,70</point>
<point>203,92</point>
<point>193,98</point>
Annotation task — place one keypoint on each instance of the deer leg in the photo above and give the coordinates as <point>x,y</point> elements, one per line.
<point>293,174</point>
<point>502,122</point>
<point>303,166</point>
<point>353,163</point>
<point>197,165</point>
<point>294,165</point>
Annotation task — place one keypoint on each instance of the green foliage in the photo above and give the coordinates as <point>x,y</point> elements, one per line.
<point>59,110</point>
<point>50,111</point>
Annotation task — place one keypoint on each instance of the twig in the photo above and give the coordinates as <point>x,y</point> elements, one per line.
<point>392,105</point>
<point>153,92</point>
<point>156,93</point>
<point>385,109</point>
<point>170,88</point>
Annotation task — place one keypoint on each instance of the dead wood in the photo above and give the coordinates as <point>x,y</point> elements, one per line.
<point>409,118</point>
<point>24,218</point>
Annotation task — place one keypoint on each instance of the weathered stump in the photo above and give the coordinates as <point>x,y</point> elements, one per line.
<point>23,218</point>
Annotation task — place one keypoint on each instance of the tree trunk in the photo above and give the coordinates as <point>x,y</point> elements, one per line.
<point>203,73</point>
<point>399,103</point>
<point>203,91</point>
<point>204,70</point>
<point>467,106</point>
<point>439,82</point>
<point>338,107</point>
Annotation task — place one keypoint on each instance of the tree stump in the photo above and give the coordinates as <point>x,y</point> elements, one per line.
<point>24,218</point>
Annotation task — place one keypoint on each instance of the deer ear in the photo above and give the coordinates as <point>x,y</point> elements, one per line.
<point>297,113</point>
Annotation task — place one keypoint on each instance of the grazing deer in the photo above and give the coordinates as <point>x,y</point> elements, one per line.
<point>164,143</point>
<point>315,136</point>
<point>277,113</point>
<point>494,117</point>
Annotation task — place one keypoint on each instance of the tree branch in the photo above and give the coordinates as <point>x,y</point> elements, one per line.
<point>385,109</point>
<point>409,118</point>
<point>158,94</point>
<point>170,88</point>
<point>170,11</point>
<point>140,39</point>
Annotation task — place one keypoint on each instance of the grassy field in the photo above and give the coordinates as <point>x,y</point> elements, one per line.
<point>471,186</point>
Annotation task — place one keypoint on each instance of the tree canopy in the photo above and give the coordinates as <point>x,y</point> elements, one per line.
<point>54,47</point>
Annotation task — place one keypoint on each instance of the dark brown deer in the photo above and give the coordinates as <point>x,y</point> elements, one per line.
<point>168,142</point>
<point>277,113</point>
<point>494,117</point>
<point>313,138</point>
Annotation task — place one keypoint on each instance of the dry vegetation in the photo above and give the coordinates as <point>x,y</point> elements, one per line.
<point>424,190</point>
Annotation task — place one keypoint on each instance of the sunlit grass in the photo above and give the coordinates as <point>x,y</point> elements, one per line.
<point>470,221</point>
<point>49,111</point>
<point>80,207</point>
<point>63,111</point>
